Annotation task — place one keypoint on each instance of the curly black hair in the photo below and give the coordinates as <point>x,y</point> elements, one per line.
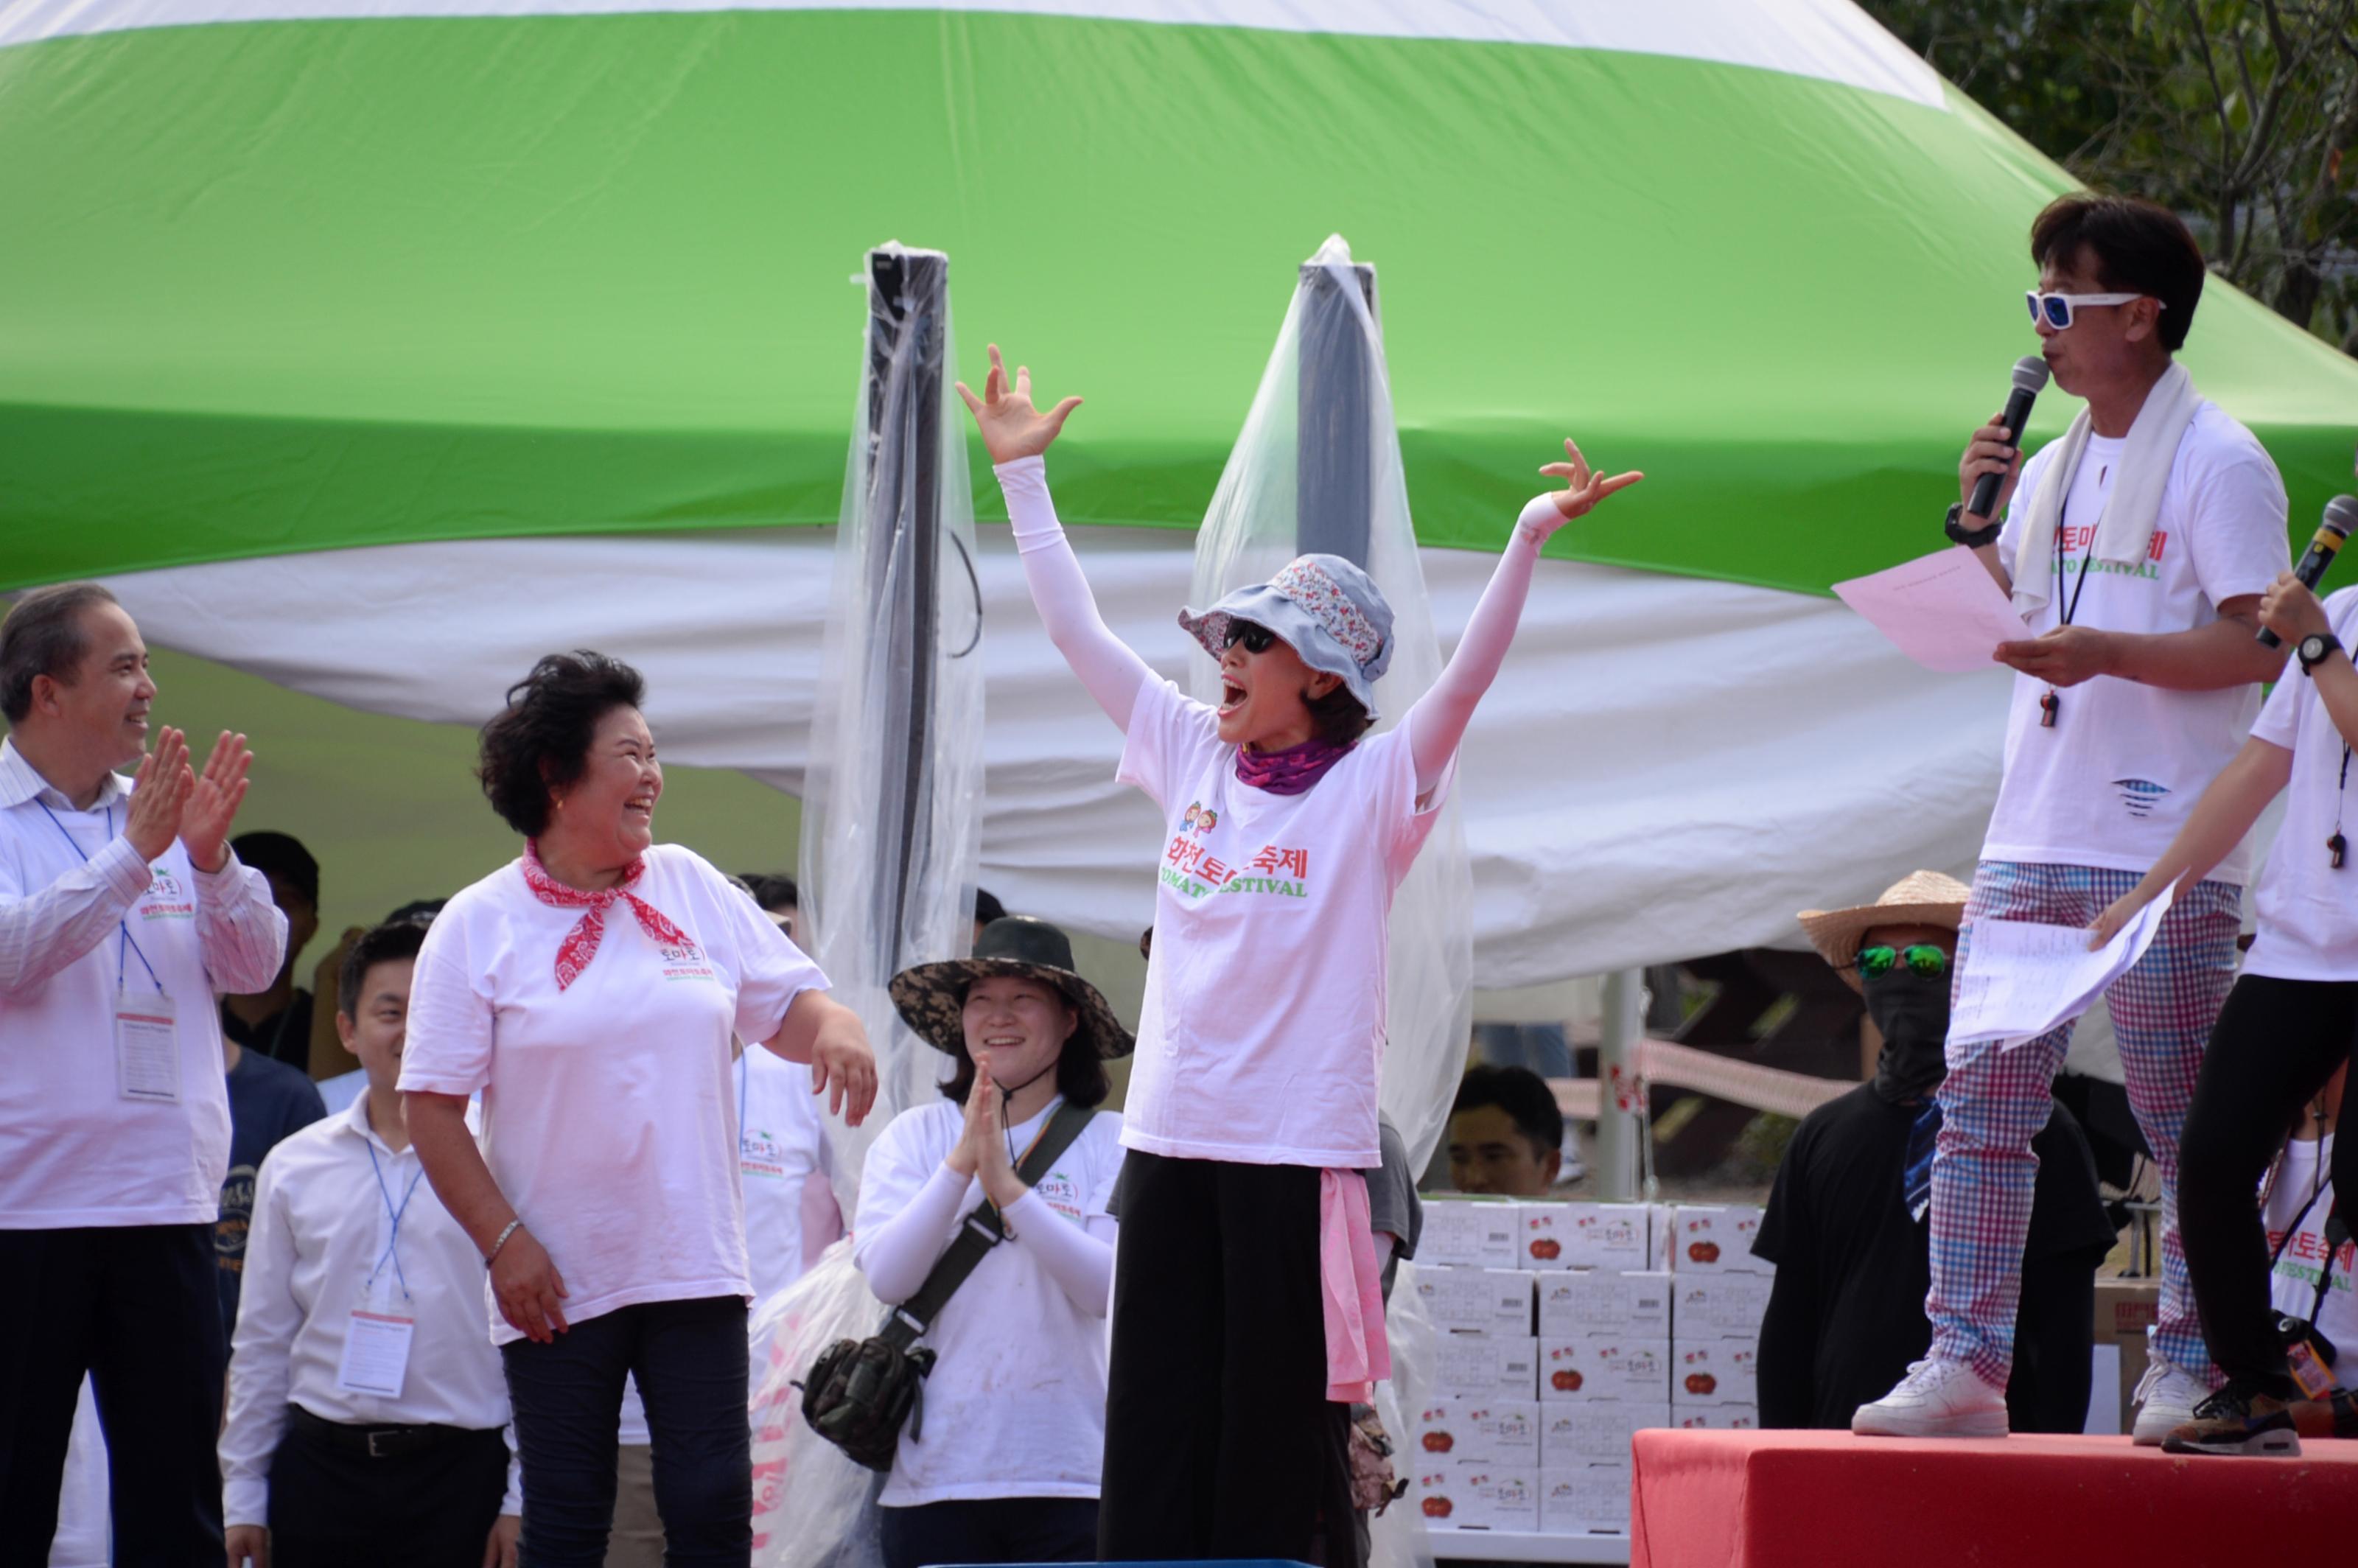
<point>540,742</point>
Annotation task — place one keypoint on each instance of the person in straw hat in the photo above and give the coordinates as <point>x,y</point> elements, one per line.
<point>1246,1313</point>
<point>1845,1221</point>
<point>1007,1468</point>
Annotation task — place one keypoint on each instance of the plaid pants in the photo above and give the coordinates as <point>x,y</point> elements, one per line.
<point>1995,1102</point>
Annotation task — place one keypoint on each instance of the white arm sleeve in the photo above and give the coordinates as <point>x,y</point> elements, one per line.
<point>1080,1260</point>
<point>897,1254</point>
<point>1107,668</point>
<point>1437,723</point>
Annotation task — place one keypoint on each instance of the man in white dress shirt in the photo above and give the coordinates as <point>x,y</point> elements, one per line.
<point>367,1405</point>
<point>123,914</point>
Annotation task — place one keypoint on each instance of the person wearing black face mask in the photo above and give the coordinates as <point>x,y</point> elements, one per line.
<point>1845,1221</point>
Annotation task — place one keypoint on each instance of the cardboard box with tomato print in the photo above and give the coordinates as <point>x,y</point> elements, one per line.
<point>1584,1500</point>
<point>1481,1431</point>
<point>1715,1372</point>
<point>1715,1239</point>
<point>1593,1370</point>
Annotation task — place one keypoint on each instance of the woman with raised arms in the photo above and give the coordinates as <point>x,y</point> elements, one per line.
<point>1245,1302</point>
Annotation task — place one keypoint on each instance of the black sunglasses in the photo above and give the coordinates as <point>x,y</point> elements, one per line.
<point>1256,639</point>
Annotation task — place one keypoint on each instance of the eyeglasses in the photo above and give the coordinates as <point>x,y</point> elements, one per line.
<point>2055,308</point>
<point>1920,957</point>
<point>1256,639</point>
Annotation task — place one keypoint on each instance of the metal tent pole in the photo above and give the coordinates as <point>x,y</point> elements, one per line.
<point>908,316</point>
<point>1334,453</point>
<point>1618,1126</point>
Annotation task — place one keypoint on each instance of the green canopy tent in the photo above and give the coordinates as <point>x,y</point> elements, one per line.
<point>369,347</point>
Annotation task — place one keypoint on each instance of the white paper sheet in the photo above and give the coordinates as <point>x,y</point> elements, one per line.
<point>2022,979</point>
<point>1944,611</point>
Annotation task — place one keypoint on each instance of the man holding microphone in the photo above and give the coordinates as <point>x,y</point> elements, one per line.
<point>123,915</point>
<point>2139,553</point>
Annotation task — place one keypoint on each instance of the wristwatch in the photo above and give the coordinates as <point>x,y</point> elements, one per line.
<point>1971,538</point>
<point>2313,650</point>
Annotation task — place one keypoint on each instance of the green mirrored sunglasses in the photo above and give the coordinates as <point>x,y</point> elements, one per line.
<point>1921,957</point>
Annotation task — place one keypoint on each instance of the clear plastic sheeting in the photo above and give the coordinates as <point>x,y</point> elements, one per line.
<point>892,819</point>
<point>1318,468</point>
<point>813,1506</point>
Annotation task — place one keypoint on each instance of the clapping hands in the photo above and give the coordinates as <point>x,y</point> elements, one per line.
<point>169,802</point>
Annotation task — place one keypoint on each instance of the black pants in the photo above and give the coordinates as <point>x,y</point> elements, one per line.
<point>137,1308</point>
<point>990,1529</point>
<point>690,1361</point>
<point>1217,1425</point>
<point>331,1506</point>
<point>2275,1045</point>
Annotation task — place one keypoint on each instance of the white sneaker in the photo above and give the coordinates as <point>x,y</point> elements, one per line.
<point>1937,1399</point>
<point>2166,1397</point>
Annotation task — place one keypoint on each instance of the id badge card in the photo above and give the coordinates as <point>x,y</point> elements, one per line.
<point>376,1354</point>
<point>146,1048</point>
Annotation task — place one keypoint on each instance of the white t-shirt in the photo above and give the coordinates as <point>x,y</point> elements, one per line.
<point>2306,1168</point>
<point>1015,1407</point>
<point>780,1148</point>
<point>1261,1038</point>
<point>2111,783</point>
<point>608,1108</point>
<point>2307,911</point>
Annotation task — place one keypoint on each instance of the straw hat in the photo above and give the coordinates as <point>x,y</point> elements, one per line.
<point>1920,898</point>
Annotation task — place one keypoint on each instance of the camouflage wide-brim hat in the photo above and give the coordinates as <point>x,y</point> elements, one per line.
<point>932,997</point>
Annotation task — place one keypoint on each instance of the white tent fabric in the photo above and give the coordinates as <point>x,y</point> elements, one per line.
<point>1667,767</point>
<point>1831,39</point>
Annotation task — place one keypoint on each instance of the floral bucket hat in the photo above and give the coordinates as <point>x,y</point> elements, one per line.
<point>931,998</point>
<point>1327,609</point>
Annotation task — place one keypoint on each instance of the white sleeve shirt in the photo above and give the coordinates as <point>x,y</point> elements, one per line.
<point>321,1225</point>
<point>82,923</point>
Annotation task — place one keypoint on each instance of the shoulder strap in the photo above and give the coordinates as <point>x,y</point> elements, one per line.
<point>980,1231</point>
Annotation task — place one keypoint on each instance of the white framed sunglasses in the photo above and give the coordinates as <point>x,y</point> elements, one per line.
<point>2056,309</point>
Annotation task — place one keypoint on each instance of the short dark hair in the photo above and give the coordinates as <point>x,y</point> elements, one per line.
<point>281,855</point>
<point>387,944</point>
<point>540,742</point>
<point>2139,246</point>
<point>42,636</point>
<point>1522,1094</point>
<point>771,890</point>
<point>1081,1071</point>
<point>987,907</point>
<point>1339,717</point>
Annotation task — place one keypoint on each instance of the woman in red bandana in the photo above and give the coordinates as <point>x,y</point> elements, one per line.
<point>1246,1308</point>
<point>594,992</point>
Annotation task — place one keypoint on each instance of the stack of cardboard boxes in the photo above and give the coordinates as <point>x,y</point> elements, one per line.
<point>1530,1430</point>
<point>1722,1292</point>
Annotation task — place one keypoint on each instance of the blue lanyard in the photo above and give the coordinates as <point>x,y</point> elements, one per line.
<point>126,946</point>
<point>392,1243</point>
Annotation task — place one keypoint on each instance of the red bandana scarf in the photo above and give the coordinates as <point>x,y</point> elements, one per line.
<point>581,944</point>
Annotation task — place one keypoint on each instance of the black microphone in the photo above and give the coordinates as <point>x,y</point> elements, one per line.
<point>2341,517</point>
<point>2030,378</point>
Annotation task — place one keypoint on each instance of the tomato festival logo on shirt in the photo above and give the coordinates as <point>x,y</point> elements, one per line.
<point>759,1154</point>
<point>684,960</point>
<point>1061,1193</point>
<point>166,899</point>
<point>1190,873</point>
<point>1199,819</point>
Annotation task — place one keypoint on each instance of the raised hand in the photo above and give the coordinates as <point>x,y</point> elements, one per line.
<point>1012,428</point>
<point>159,795</point>
<point>213,801</point>
<point>1583,489</point>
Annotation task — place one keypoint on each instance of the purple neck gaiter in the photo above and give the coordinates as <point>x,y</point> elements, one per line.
<point>1292,771</point>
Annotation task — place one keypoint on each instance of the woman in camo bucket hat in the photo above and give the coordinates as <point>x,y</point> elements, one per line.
<point>1248,1312</point>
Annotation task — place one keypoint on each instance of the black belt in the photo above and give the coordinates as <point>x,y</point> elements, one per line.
<point>380,1442</point>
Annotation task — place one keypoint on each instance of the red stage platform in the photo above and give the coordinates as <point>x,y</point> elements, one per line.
<point>1808,1499</point>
